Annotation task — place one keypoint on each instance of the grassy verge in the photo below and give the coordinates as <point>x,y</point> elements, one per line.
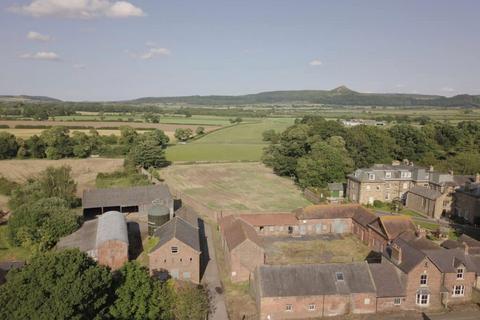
<point>7,186</point>
<point>148,244</point>
<point>8,252</point>
<point>121,178</point>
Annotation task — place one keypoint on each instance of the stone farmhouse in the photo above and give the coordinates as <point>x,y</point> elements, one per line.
<point>467,201</point>
<point>412,272</point>
<point>105,239</point>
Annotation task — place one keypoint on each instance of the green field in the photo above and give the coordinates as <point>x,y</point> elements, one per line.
<point>242,142</point>
<point>168,119</point>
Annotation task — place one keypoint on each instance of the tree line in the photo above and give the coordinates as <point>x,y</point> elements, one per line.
<point>315,151</point>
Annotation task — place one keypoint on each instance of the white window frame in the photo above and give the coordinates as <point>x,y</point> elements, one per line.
<point>423,278</point>
<point>366,301</point>
<point>311,307</point>
<point>388,174</point>
<point>460,273</point>
<point>288,307</point>
<point>421,298</point>
<point>174,249</point>
<point>368,187</point>
<point>460,288</point>
<point>397,301</point>
<point>339,275</point>
<point>371,176</point>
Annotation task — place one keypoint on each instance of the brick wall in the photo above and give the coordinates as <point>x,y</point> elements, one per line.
<point>243,260</point>
<point>184,265</point>
<point>113,253</point>
<point>388,304</point>
<point>468,281</point>
<point>467,206</point>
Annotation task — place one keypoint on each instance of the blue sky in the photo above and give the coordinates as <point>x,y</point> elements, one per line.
<point>113,50</point>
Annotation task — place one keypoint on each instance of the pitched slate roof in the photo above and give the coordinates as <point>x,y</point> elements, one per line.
<point>111,226</point>
<point>269,219</point>
<point>334,211</point>
<point>179,229</point>
<point>473,245</point>
<point>239,231</point>
<point>387,280</point>
<point>125,196</point>
<point>418,242</point>
<point>411,256</point>
<point>189,215</point>
<point>425,192</point>
<point>314,279</point>
<point>393,226</point>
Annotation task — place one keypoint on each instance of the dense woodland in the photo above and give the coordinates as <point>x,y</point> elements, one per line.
<point>315,151</point>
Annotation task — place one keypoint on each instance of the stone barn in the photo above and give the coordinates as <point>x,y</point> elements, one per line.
<point>126,200</point>
<point>105,239</point>
<point>177,253</point>
<point>313,290</point>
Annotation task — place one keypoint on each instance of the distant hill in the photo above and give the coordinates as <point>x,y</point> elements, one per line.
<point>24,98</point>
<point>338,96</point>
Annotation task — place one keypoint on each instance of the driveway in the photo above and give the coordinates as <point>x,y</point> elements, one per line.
<point>211,279</point>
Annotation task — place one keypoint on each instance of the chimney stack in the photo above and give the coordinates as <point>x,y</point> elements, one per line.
<point>396,254</point>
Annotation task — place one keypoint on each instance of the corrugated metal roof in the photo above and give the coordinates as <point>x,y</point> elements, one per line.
<point>314,279</point>
<point>111,226</point>
<point>125,196</point>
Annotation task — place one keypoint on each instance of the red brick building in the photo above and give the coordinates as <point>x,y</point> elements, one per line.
<point>177,253</point>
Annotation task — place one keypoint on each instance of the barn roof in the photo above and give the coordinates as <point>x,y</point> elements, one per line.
<point>83,238</point>
<point>132,196</point>
<point>111,226</point>
<point>425,192</point>
<point>393,226</point>
<point>411,256</point>
<point>239,231</point>
<point>179,229</point>
<point>314,279</point>
<point>269,219</point>
<point>387,281</point>
<point>189,215</point>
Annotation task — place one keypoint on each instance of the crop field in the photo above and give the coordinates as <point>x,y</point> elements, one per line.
<point>104,124</point>
<point>235,186</point>
<point>320,249</point>
<point>84,171</point>
<point>242,142</point>
<point>164,119</point>
<point>26,133</point>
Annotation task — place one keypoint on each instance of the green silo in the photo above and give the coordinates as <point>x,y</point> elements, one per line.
<point>158,215</point>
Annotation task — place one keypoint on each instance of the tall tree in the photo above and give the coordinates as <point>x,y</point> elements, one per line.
<point>8,145</point>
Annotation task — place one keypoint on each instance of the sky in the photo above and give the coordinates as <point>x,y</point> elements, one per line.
<point>114,50</point>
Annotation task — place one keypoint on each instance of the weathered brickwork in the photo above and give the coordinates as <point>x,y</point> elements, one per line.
<point>113,253</point>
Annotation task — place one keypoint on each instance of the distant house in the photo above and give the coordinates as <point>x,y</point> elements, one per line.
<point>242,247</point>
<point>467,201</point>
<point>425,200</point>
<point>337,192</point>
<point>132,199</point>
<point>105,239</point>
<point>177,253</point>
<point>313,290</point>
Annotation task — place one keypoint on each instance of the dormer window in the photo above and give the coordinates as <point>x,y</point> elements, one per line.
<point>339,276</point>
<point>388,174</point>
<point>371,176</point>
<point>460,273</point>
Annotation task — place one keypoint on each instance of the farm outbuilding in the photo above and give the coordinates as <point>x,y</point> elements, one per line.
<point>126,200</point>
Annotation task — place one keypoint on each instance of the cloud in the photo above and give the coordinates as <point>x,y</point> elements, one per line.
<point>79,9</point>
<point>42,55</point>
<point>36,36</point>
<point>79,66</point>
<point>152,52</point>
<point>315,63</point>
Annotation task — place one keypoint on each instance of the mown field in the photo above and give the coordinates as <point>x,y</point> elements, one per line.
<point>26,133</point>
<point>246,187</point>
<point>242,142</point>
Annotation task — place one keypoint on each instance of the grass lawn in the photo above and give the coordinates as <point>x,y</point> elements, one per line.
<point>7,252</point>
<point>427,225</point>
<point>121,178</point>
<point>296,251</point>
<point>148,244</point>
<point>235,186</point>
<point>242,142</point>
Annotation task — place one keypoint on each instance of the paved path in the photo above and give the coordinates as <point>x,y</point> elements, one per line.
<point>212,279</point>
<point>455,315</point>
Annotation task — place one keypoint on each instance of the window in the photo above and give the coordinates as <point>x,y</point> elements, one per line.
<point>388,174</point>
<point>368,188</point>
<point>458,290</point>
<point>339,276</point>
<point>289,308</point>
<point>366,301</point>
<point>423,279</point>
<point>397,301</point>
<point>460,273</point>
<point>371,176</point>
<point>174,249</point>
<point>311,307</point>
<point>423,299</point>
<point>405,185</point>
